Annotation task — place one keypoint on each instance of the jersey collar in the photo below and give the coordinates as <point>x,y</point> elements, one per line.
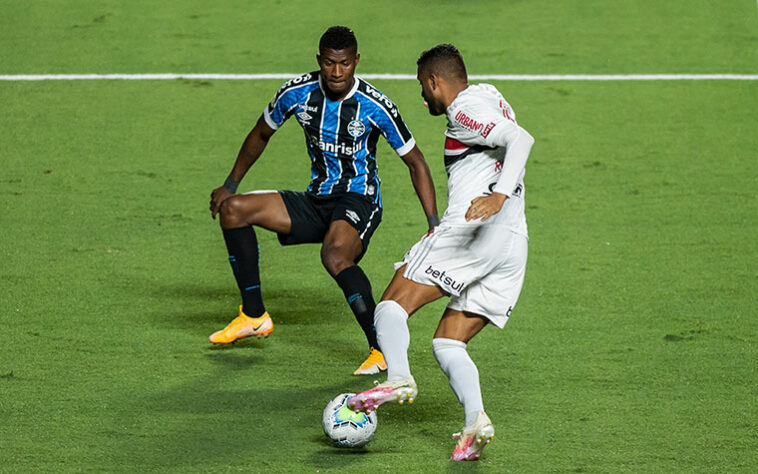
<point>453,104</point>
<point>350,93</point>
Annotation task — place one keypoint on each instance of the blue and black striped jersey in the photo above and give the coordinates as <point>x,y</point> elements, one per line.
<point>341,136</point>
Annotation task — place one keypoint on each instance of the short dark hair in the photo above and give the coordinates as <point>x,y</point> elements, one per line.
<point>445,60</point>
<point>338,37</point>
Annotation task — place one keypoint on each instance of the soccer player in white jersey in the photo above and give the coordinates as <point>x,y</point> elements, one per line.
<point>477,254</point>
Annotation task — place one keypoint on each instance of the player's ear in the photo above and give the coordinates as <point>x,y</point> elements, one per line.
<point>357,58</point>
<point>434,81</point>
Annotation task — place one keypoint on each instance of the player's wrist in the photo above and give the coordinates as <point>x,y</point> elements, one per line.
<point>231,185</point>
<point>433,220</point>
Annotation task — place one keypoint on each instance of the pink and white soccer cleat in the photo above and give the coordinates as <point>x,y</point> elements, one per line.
<point>398,391</point>
<point>472,439</point>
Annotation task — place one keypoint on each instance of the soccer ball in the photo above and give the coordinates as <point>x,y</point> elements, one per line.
<point>347,427</point>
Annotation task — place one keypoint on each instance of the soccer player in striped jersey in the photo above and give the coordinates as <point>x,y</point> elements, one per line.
<point>476,256</point>
<point>342,117</point>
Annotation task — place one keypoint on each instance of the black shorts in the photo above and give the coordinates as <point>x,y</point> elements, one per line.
<point>312,215</point>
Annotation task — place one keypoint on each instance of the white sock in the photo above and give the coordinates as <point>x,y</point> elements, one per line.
<point>462,373</point>
<point>391,323</point>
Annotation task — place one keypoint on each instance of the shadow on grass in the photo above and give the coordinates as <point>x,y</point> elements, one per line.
<point>234,405</point>
<point>246,426</point>
<point>237,401</point>
<point>234,360</point>
<point>196,305</point>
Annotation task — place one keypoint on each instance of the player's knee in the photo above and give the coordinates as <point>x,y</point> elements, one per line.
<point>445,349</point>
<point>232,213</point>
<point>402,297</point>
<point>335,258</point>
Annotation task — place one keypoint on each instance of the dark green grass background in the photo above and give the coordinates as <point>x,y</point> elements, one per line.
<point>633,348</point>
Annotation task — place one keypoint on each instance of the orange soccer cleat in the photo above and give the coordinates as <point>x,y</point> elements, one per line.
<point>244,326</point>
<point>373,364</point>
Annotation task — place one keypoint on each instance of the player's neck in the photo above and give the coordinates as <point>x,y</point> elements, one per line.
<point>338,96</point>
<point>452,90</point>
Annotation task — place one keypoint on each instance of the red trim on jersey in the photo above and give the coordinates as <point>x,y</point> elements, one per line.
<point>453,144</point>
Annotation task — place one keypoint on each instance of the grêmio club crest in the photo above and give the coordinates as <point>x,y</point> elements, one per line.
<point>356,128</point>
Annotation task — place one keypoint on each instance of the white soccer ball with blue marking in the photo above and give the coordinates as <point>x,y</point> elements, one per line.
<point>346,427</point>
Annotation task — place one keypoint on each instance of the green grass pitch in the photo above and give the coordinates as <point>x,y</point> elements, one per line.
<point>634,346</point>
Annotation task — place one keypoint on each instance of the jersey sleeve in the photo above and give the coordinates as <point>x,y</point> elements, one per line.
<point>472,123</point>
<point>283,104</point>
<point>386,116</point>
<point>492,123</point>
<point>518,143</point>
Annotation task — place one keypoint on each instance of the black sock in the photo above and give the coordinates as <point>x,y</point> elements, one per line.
<point>357,289</point>
<point>244,257</point>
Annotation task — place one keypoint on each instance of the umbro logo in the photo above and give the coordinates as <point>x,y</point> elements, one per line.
<point>353,216</point>
<point>304,116</point>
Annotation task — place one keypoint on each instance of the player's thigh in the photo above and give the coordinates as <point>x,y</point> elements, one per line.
<point>359,213</point>
<point>495,294</point>
<point>444,259</point>
<point>460,325</point>
<point>410,294</point>
<point>309,217</point>
<point>262,208</point>
<point>342,246</point>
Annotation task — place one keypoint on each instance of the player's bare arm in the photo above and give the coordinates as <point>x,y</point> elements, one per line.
<point>251,150</point>
<point>422,183</point>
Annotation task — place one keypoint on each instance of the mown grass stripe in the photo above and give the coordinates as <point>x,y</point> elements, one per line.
<point>403,77</point>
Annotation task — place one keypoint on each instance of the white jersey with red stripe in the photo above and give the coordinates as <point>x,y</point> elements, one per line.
<point>474,163</point>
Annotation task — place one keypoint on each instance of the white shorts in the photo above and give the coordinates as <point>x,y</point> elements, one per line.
<point>482,268</point>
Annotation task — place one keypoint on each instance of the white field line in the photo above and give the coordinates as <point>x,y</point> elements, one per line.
<point>404,77</point>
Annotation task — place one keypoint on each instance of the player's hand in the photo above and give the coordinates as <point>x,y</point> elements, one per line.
<point>218,195</point>
<point>485,207</point>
